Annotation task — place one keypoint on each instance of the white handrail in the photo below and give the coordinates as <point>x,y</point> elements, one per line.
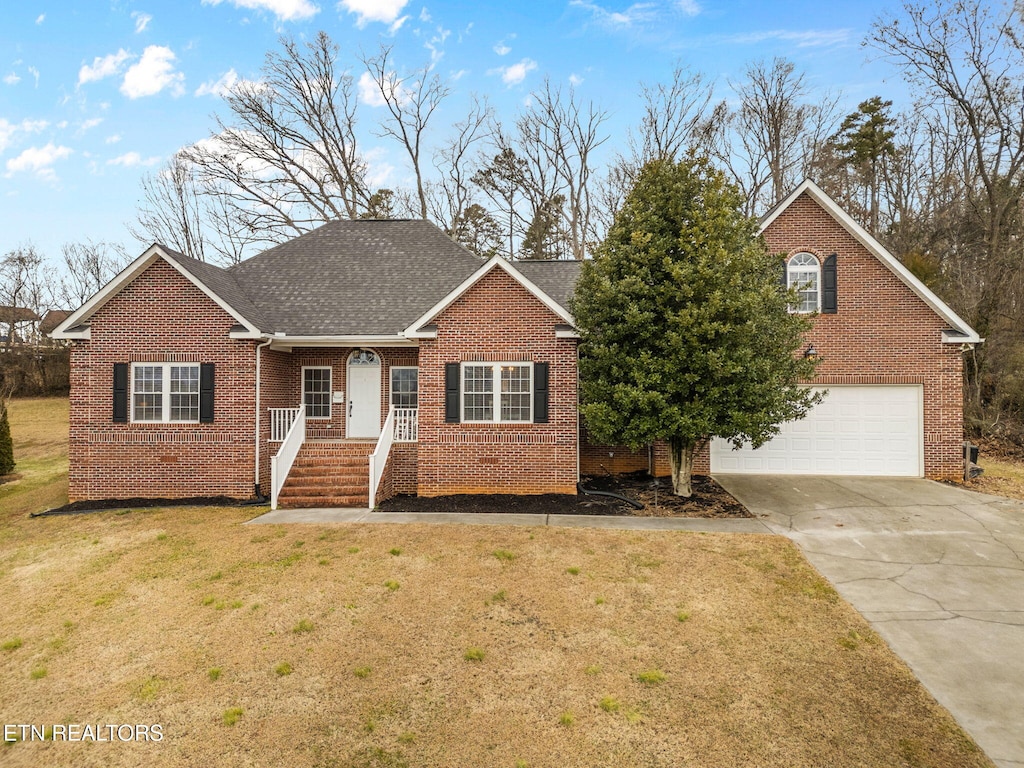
<point>379,457</point>
<point>281,420</point>
<point>281,464</point>
<point>406,425</point>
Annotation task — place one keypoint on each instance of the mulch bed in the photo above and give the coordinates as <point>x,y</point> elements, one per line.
<point>709,499</point>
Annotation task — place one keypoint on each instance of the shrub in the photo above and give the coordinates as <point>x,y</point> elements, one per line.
<point>6,443</point>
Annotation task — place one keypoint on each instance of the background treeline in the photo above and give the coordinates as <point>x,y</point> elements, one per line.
<point>939,182</point>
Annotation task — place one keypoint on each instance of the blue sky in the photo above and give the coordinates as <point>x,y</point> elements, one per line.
<point>95,94</point>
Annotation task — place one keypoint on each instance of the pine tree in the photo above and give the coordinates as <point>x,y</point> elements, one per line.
<point>6,443</point>
<point>684,331</point>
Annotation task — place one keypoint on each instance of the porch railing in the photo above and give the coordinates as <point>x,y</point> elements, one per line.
<point>379,457</point>
<point>281,464</point>
<point>281,421</point>
<point>406,425</point>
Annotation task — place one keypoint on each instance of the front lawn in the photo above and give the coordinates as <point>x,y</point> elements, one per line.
<point>382,645</point>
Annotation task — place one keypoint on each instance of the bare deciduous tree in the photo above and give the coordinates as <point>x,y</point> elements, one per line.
<point>557,136</point>
<point>452,194</point>
<point>411,101</point>
<point>87,267</point>
<point>171,212</point>
<point>286,159</point>
<point>967,57</point>
<point>768,143</point>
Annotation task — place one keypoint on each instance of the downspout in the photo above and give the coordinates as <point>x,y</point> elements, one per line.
<point>256,478</point>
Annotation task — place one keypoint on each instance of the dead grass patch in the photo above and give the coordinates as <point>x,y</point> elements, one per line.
<point>769,667</point>
<point>562,680</point>
<point>1004,476</point>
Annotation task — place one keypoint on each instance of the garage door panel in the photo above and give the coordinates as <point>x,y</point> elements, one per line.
<point>855,430</point>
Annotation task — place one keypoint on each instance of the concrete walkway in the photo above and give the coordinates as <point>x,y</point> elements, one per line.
<point>321,516</point>
<point>937,570</point>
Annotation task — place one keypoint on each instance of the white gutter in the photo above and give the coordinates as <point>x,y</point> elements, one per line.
<point>256,482</point>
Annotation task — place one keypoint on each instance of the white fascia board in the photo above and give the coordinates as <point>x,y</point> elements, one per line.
<point>943,310</point>
<point>567,334</point>
<point>129,273</point>
<point>280,341</point>
<point>494,262</point>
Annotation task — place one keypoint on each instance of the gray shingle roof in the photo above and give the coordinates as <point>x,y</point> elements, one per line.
<point>556,278</point>
<point>355,277</point>
<point>364,277</point>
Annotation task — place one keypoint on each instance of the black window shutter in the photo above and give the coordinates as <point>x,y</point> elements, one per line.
<point>206,393</point>
<point>784,275</point>
<point>451,393</point>
<point>120,393</point>
<point>540,393</point>
<point>828,286</point>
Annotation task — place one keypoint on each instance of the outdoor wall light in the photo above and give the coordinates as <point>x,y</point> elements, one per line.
<point>810,352</point>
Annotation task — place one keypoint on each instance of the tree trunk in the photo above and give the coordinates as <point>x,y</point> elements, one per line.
<point>682,466</point>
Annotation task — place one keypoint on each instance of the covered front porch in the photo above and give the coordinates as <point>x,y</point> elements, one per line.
<point>338,425</point>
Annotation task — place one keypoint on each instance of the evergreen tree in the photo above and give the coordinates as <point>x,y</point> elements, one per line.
<point>865,142</point>
<point>684,332</point>
<point>545,238</point>
<point>6,443</point>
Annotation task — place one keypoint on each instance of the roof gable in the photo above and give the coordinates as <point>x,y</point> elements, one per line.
<point>416,328</point>
<point>963,333</point>
<point>75,326</point>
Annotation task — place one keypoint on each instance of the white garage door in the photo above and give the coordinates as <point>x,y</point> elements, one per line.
<point>866,430</point>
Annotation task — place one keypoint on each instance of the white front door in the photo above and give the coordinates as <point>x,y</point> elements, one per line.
<point>855,430</point>
<point>363,395</point>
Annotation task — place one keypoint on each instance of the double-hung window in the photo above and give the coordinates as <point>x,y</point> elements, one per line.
<point>165,392</point>
<point>316,392</point>
<point>803,273</point>
<point>497,392</point>
<point>404,386</point>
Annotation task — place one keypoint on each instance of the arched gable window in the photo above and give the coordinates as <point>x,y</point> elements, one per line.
<point>804,273</point>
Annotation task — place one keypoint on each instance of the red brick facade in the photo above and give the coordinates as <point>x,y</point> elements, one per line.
<point>497,320</point>
<point>882,333</point>
<point>160,317</point>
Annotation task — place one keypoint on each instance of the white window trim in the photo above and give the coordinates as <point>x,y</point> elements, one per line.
<point>330,392</point>
<point>495,392</point>
<point>165,394</point>
<point>391,384</point>
<point>790,269</point>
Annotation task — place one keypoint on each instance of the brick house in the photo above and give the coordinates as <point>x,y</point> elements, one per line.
<point>369,358</point>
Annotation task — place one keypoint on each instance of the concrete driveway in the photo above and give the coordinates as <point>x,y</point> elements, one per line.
<point>937,570</point>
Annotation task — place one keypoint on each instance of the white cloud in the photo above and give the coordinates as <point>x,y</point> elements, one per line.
<point>635,14</point>
<point>516,73</point>
<point>425,15</point>
<point>285,10</point>
<point>435,45</point>
<point>384,11</point>
<point>689,7</point>
<point>113,139</point>
<point>35,73</point>
<point>12,79</point>
<point>219,87</point>
<point>130,159</point>
<point>103,66</point>
<point>91,123</point>
<point>370,93</point>
<point>8,129</point>
<point>811,38</point>
<point>141,21</point>
<point>575,80</point>
<point>153,72</point>
<point>397,25</point>
<point>38,160</point>
<point>501,49</point>
<point>40,18</point>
